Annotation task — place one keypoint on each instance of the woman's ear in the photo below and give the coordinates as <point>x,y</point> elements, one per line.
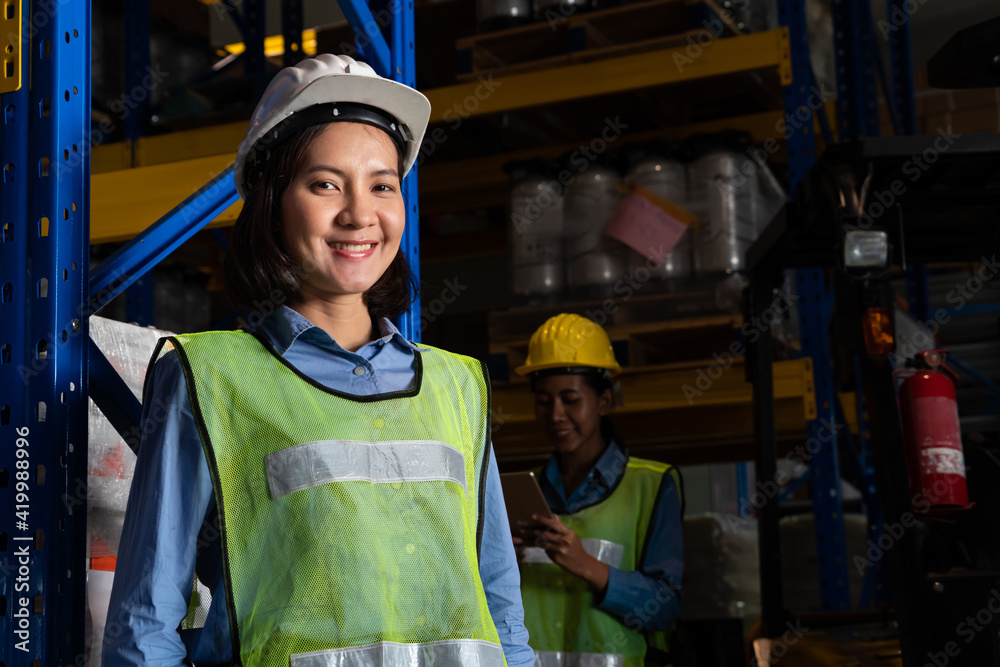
<point>604,402</point>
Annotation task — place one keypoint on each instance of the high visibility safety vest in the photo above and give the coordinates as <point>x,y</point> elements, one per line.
<point>351,525</point>
<point>565,626</point>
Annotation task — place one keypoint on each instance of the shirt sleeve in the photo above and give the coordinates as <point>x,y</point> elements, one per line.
<point>649,599</point>
<point>501,578</point>
<point>170,494</point>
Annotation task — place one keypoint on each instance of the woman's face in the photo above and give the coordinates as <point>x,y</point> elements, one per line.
<point>569,410</point>
<point>343,211</point>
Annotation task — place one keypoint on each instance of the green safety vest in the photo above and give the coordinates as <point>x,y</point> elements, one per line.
<point>351,525</point>
<point>565,626</point>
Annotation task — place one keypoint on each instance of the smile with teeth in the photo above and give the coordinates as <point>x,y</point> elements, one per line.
<point>352,247</point>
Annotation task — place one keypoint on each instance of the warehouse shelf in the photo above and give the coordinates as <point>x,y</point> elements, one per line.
<point>565,38</point>
<point>124,203</point>
<point>682,385</point>
<point>125,200</point>
<point>197,155</point>
<point>686,407</point>
<point>757,51</point>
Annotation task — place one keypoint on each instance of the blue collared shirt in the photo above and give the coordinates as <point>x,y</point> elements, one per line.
<point>172,494</point>
<point>651,595</point>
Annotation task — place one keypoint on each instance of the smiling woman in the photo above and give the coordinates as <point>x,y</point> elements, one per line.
<point>349,470</point>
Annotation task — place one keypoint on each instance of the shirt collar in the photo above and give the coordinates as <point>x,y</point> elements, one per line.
<point>611,465</point>
<point>284,326</point>
<point>606,472</point>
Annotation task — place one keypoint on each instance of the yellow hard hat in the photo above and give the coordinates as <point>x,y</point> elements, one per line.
<point>569,341</point>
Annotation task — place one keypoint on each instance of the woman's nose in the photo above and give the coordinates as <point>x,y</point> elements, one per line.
<point>358,211</point>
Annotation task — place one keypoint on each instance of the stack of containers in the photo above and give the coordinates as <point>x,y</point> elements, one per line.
<point>722,195</point>
<point>735,195</point>
<point>593,261</point>
<point>657,167</point>
<point>556,235</point>
<point>535,232</point>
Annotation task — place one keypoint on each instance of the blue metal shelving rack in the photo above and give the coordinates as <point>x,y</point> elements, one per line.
<point>48,292</point>
<point>43,334</point>
<point>858,65</point>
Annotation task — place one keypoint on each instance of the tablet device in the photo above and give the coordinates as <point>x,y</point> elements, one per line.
<point>523,497</point>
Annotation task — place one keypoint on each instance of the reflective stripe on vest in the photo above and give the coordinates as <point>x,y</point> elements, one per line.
<point>607,552</point>
<point>313,463</point>
<point>560,659</point>
<point>446,653</point>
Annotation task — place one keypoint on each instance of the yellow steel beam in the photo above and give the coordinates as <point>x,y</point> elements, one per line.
<point>160,149</point>
<point>10,48</point>
<point>848,401</point>
<point>199,143</point>
<point>682,437</point>
<point>684,63</point>
<point>123,203</point>
<point>683,385</point>
<point>487,178</point>
<point>275,45</point>
<point>110,157</point>
<point>484,171</point>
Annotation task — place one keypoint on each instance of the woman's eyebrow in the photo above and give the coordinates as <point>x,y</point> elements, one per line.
<point>340,172</point>
<point>323,167</point>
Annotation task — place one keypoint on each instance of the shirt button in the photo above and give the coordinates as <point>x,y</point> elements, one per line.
<point>360,370</point>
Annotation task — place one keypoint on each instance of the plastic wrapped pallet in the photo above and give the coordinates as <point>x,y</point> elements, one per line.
<point>721,571</point>
<point>111,465</point>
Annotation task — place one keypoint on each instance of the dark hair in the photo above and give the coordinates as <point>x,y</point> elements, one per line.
<point>259,271</point>
<point>597,379</point>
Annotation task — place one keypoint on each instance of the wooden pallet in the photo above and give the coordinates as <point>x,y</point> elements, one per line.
<point>582,37</point>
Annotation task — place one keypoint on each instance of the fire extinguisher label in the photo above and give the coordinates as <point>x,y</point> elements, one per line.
<point>943,461</point>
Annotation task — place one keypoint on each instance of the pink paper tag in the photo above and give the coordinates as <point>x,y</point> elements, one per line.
<point>645,227</point>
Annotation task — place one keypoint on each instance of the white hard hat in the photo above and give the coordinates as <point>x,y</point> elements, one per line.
<point>329,88</point>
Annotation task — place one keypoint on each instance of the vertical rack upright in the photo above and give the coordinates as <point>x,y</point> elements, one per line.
<point>44,329</point>
<point>855,53</point>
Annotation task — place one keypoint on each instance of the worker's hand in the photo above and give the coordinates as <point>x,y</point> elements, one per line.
<point>518,548</point>
<point>563,546</point>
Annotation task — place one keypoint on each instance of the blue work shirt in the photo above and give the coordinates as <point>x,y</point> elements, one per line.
<point>172,494</point>
<point>659,576</point>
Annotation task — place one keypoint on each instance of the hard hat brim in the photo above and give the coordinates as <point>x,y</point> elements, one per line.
<point>528,369</point>
<point>408,106</point>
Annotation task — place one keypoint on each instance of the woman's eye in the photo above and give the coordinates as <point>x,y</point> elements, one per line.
<point>324,185</point>
<point>384,187</point>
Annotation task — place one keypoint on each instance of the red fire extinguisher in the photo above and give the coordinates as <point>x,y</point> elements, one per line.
<point>932,438</point>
